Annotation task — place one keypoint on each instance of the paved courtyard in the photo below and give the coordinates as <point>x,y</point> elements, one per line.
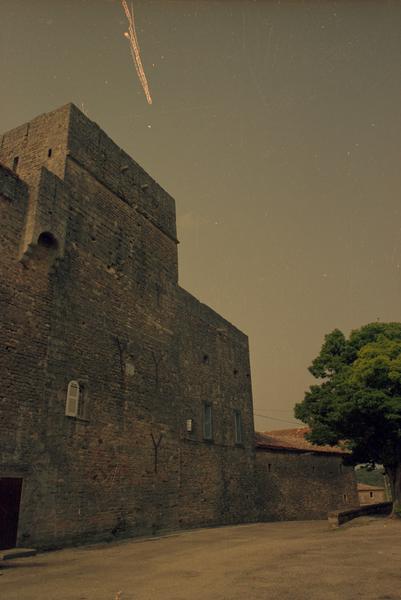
<point>269,561</point>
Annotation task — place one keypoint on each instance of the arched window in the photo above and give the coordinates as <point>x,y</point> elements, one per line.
<point>72,400</point>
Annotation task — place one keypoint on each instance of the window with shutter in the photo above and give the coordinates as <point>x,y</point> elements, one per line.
<point>207,422</point>
<point>72,401</point>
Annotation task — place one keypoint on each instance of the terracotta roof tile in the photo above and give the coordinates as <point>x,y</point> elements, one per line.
<point>292,439</point>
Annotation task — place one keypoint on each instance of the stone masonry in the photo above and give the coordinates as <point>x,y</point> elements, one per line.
<point>296,480</point>
<point>89,294</point>
<point>125,403</point>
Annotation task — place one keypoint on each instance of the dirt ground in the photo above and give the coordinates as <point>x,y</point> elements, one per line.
<point>291,560</point>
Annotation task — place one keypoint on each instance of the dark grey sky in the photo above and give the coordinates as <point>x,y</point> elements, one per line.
<point>275,125</point>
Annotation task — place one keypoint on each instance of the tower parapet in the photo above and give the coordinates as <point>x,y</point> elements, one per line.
<point>65,149</point>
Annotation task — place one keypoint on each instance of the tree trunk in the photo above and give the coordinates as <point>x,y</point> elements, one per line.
<point>394,475</point>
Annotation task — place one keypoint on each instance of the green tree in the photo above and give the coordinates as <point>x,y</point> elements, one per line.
<point>357,401</point>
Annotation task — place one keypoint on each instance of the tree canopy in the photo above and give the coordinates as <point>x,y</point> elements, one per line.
<point>357,401</point>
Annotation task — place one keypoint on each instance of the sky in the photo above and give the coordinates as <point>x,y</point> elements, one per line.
<point>275,125</point>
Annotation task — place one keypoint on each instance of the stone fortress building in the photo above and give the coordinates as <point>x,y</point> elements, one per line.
<point>125,403</point>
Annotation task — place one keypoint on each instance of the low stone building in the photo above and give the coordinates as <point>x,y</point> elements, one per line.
<point>297,480</point>
<point>371,494</point>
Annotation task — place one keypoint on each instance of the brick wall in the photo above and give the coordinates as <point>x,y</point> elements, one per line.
<point>41,142</point>
<point>302,485</point>
<point>24,298</point>
<point>89,293</point>
<point>99,303</point>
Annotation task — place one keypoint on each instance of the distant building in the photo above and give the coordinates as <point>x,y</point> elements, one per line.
<point>371,494</point>
<point>297,480</point>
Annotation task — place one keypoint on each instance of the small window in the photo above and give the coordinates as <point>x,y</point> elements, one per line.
<point>345,497</point>
<point>49,152</point>
<point>371,494</point>
<point>269,467</point>
<point>15,163</point>
<point>207,422</point>
<point>47,240</point>
<point>238,427</point>
<point>72,401</point>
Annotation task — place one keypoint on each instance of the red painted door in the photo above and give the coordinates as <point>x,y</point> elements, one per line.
<point>10,496</point>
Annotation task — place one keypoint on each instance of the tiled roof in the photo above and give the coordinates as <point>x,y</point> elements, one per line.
<point>364,487</point>
<point>292,439</point>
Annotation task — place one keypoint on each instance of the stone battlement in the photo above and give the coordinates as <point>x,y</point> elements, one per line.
<point>53,139</point>
<point>84,189</point>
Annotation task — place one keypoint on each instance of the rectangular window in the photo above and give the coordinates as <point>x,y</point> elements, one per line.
<point>81,412</point>
<point>207,422</point>
<point>238,427</point>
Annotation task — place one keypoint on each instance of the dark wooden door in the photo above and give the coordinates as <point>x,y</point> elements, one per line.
<point>10,496</point>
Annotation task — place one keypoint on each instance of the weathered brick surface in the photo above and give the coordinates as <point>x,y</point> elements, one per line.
<point>103,307</point>
<point>302,485</point>
<point>32,141</point>
<point>99,302</point>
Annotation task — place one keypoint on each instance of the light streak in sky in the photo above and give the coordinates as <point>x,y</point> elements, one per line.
<point>134,48</point>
